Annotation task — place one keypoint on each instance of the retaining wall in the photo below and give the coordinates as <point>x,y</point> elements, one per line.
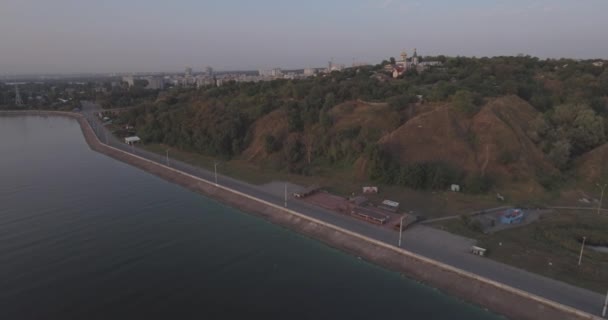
<point>500,298</point>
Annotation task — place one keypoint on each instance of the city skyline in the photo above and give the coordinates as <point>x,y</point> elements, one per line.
<point>68,36</point>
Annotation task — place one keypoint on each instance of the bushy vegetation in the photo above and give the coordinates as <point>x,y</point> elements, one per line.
<point>569,95</point>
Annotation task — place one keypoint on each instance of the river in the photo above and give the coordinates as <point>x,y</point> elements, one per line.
<point>83,236</point>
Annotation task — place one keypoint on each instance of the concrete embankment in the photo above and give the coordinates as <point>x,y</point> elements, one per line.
<point>497,297</point>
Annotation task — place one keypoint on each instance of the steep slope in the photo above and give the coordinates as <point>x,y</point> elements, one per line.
<point>502,145</point>
<point>275,124</point>
<point>493,142</point>
<point>438,135</point>
<point>369,116</point>
<point>591,167</point>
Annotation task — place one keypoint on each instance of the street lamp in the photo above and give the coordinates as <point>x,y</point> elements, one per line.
<point>401,229</point>
<point>285,194</point>
<point>286,181</point>
<point>601,197</point>
<point>580,257</point>
<point>215,167</point>
<point>605,306</point>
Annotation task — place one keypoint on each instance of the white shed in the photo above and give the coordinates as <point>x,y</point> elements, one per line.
<point>132,140</point>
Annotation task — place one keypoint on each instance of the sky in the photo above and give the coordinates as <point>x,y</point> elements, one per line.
<point>103,36</point>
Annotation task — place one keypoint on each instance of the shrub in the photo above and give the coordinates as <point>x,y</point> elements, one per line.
<point>550,181</point>
<point>478,184</point>
<point>506,157</point>
<point>271,144</point>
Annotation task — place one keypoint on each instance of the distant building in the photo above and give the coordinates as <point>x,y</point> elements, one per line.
<point>129,80</point>
<point>204,82</point>
<point>188,72</point>
<point>337,67</point>
<point>155,83</point>
<point>414,63</point>
<point>275,73</point>
<point>360,64</point>
<point>309,72</point>
<point>209,72</point>
<point>599,64</point>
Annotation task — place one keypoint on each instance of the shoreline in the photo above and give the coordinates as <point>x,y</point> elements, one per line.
<point>469,287</point>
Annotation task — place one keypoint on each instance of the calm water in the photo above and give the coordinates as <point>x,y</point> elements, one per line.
<point>85,237</point>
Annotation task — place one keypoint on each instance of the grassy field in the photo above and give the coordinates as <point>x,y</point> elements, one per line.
<point>550,246</point>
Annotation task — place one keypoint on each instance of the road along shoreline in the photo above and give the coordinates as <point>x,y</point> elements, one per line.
<point>500,298</point>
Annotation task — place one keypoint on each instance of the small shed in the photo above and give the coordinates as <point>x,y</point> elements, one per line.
<point>132,140</point>
<point>389,205</point>
<point>370,189</point>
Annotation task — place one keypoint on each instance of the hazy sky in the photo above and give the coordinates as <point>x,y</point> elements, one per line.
<point>66,36</point>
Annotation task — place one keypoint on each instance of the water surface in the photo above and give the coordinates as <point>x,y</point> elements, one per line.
<point>83,236</point>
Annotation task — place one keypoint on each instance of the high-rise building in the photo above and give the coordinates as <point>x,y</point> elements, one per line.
<point>129,80</point>
<point>155,83</point>
<point>308,72</point>
<point>188,72</point>
<point>209,71</point>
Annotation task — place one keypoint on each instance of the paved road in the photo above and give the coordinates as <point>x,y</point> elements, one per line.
<point>429,242</point>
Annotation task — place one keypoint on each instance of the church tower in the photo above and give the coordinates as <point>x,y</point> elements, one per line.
<point>415,58</point>
<point>404,57</point>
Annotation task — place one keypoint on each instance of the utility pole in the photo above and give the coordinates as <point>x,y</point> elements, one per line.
<point>580,257</point>
<point>215,167</point>
<point>601,197</point>
<point>605,306</point>
<point>401,229</point>
<point>285,194</point>
<point>168,158</point>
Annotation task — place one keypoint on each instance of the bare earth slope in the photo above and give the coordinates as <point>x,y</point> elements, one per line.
<point>493,142</point>
<point>275,124</point>
<point>591,167</point>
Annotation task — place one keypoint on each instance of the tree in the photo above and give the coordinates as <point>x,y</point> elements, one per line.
<point>464,101</point>
<point>294,120</point>
<point>271,144</point>
<point>588,131</point>
<point>330,101</point>
<point>603,79</point>
<point>580,125</point>
<point>400,102</point>
<point>560,154</point>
